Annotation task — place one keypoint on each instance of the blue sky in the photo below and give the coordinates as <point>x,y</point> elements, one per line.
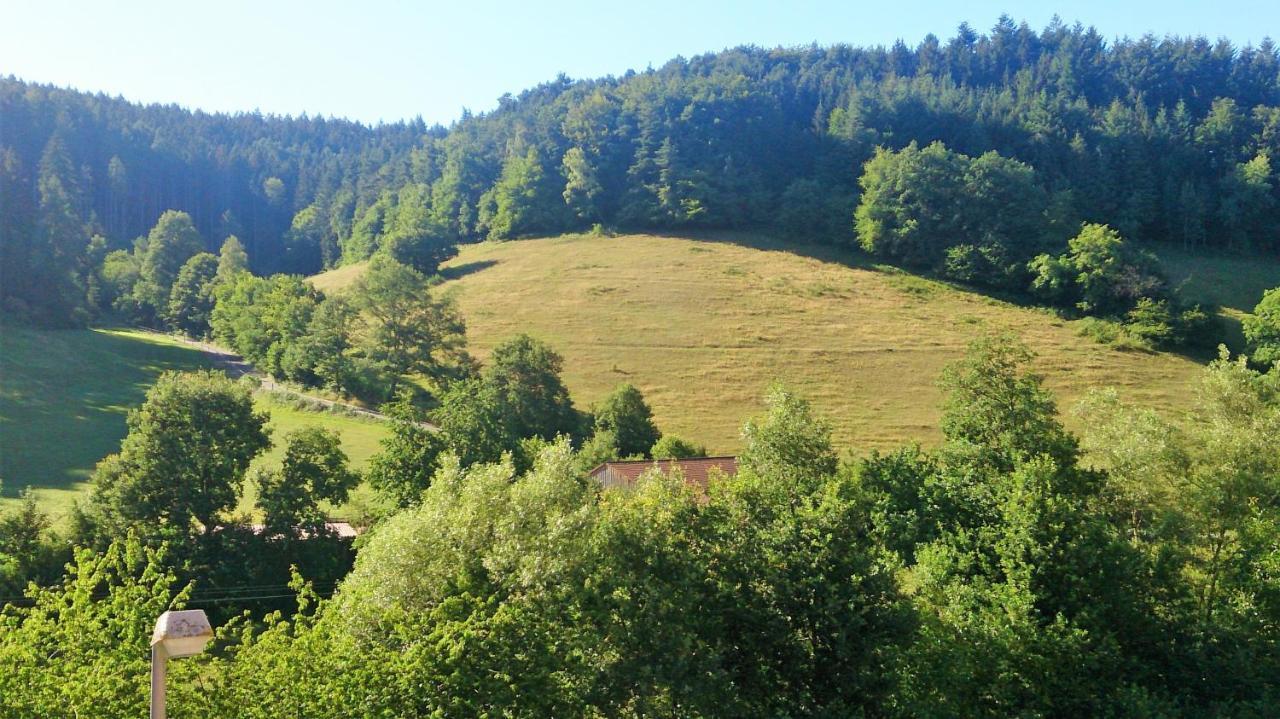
<point>380,60</point>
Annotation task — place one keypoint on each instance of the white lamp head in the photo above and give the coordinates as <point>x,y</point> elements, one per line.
<point>182,634</point>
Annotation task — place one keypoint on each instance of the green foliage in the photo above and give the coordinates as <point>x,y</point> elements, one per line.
<point>1247,204</point>
<point>184,458</point>
<point>309,245</point>
<point>81,648</point>
<point>191,300</point>
<point>525,376</point>
<point>518,396</point>
<point>60,238</point>
<point>402,226</point>
<point>1262,328</point>
<point>1112,276</point>
<point>368,226</point>
<point>909,206</point>
<point>314,470</point>
<point>1111,332</point>
<point>996,411</point>
<point>473,423</point>
<point>168,246</point>
<point>273,188</point>
<point>993,577</point>
<point>413,237</point>
<point>1198,498</point>
<point>232,259</point>
<point>672,447</point>
<point>811,211</point>
<point>1163,139</point>
<point>408,457</point>
<point>507,593</point>
<point>321,356</point>
<point>119,273</point>
<point>601,447</point>
<point>974,217</point>
<point>523,201</point>
<point>582,188</point>
<point>406,330</point>
<point>1015,578</point>
<point>788,444</point>
<point>985,265</point>
<point>27,550</point>
<point>625,416</point>
<point>1152,321</point>
<point>263,318</point>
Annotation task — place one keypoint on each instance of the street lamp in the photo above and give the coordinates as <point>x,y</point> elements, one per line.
<point>177,635</point>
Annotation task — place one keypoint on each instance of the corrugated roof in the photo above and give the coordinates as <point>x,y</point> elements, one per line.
<point>696,470</point>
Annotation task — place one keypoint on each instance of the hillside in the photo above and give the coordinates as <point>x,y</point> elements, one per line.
<point>1165,140</point>
<point>703,326</point>
<point>65,394</point>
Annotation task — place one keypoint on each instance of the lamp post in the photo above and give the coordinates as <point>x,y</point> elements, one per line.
<point>177,635</point>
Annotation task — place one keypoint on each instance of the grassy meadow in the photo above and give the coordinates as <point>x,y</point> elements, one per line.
<point>65,394</point>
<point>1234,283</point>
<point>703,326</point>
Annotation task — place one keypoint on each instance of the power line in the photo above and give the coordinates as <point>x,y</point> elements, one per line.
<point>230,595</point>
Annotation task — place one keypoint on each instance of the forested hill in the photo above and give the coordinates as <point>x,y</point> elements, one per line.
<point>1161,138</point>
<point>122,164</point>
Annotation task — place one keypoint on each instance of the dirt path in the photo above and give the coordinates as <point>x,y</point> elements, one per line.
<point>236,367</point>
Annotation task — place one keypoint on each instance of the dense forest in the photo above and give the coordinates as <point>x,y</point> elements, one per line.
<point>1162,139</point>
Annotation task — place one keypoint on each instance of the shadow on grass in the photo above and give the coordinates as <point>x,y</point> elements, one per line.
<point>1228,329</point>
<point>66,396</point>
<point>466,268</point>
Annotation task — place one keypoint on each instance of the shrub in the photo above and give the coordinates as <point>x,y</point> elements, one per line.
<point>1152,322</point>
<point>672,447</point>
<point>1262,328</point>
<point>983,265</point>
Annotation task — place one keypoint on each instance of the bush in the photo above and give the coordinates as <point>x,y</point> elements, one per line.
<point>1152,322</point>
<point>983,265</point>
<point>1052,280</point>
<point>1198,327</point>
<point>1112,333</point>
<point>917,204</point>
<point>1262,328</point>
<point>672,447</point>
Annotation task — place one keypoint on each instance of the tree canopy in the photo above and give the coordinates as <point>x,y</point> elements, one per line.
<point>1162,139</point>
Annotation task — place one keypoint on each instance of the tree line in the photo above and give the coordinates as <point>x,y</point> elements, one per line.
<point>1001,573</point>
<point>1162,139</point>
<point>185,469</point>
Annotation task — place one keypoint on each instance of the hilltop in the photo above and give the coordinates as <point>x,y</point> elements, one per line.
<point>702,326</point>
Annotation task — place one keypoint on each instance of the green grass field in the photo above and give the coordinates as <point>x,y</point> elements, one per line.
<point>65,394</point>
<point>1234,283</point>
<point>702,327</point>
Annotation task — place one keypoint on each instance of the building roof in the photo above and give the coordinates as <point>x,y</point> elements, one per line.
<point>343,530</point>
<point>696,470</point>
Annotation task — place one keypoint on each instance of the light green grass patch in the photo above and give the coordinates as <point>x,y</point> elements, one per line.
<point>65,395</point>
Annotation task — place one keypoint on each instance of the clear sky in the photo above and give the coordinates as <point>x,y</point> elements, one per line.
<point>377,60</point>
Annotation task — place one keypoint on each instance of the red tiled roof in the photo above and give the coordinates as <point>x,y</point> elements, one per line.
<point>695,470</point>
